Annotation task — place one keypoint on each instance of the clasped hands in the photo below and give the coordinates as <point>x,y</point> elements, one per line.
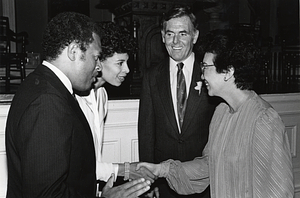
<point>141,176</point>
<point>145,170</point>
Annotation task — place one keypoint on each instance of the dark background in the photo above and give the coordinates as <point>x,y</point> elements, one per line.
<point>276,21</point>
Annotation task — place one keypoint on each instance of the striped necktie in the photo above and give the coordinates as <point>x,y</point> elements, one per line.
<point>181,93</point>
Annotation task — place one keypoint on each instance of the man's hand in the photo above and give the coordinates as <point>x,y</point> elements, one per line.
<point>130,189</point>
<point>142,172</point>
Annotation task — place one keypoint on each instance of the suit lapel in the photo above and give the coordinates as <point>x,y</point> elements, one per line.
<point>164,90</point>
<point>194,98</point>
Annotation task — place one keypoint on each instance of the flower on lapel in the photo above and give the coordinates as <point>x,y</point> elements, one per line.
<point>198,87</point>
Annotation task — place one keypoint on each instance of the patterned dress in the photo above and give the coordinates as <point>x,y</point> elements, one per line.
<point>247,155</point>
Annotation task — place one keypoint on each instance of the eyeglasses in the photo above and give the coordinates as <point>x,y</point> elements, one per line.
<point>204,66</point>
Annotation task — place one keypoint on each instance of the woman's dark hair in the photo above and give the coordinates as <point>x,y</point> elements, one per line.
<point>234,48</point>
<point>179,11</point>
<point>65,28</point>
<point>115,39</point>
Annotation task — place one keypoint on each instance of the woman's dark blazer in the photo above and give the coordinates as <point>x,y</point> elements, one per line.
<point>49,145</point>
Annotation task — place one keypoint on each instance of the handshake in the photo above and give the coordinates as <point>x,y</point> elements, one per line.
<point>140,175</point>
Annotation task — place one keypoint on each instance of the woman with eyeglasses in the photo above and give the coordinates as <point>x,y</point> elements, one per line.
<point>248,153</point>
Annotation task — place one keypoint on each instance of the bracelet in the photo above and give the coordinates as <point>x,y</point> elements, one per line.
<point>127,171</point>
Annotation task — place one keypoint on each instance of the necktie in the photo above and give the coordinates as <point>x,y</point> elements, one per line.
<point>181,93</point>
<point>73,94</point>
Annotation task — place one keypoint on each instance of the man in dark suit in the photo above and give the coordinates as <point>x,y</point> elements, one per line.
<point>163,132</point>
<point>49,145</point>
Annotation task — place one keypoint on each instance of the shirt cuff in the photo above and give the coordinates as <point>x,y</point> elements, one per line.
<point>165,167</point>
<point>116,169</point>
<point>104,170</point>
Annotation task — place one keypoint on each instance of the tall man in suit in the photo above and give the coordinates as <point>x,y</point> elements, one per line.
<point>164,133</point>
<point>49,144</point>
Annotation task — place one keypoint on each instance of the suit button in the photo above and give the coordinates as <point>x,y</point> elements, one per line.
<point>180,141</point>
<point>37,81</point>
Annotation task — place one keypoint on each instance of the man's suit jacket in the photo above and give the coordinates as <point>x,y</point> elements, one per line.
<point>158,133</point>
<point>49,145</point>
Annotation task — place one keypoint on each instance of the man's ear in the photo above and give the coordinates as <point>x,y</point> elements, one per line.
<point>163,35</point>
<point>195,37</point>
<point>72,50</point>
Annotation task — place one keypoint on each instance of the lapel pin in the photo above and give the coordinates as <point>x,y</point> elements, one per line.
<point>198,87</point>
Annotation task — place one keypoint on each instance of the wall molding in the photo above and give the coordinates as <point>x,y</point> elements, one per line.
<point>121,125</point>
